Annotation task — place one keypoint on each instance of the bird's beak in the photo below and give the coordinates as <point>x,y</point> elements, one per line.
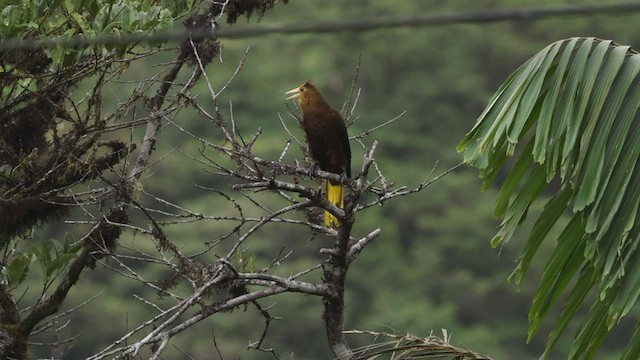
<point>295,92</point>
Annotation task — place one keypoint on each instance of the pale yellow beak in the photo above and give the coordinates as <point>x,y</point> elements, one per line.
<point>295,92</point>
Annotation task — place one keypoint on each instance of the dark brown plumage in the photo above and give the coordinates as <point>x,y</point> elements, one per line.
<point>327,138</point>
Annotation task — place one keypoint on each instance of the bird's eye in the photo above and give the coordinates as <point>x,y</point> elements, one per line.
<point>301,89</point>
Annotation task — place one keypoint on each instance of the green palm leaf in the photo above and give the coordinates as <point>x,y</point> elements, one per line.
<point>571,114</point>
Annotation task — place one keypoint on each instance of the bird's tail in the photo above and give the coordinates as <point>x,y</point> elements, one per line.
<point>335,194</point>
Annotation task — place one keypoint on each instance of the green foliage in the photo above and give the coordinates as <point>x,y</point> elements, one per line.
<point>20,19</point>
<point>575,106</point>
<point>16,272</point>
<point>51,255</point>
<point>62,19</point>
<point>246,263</point>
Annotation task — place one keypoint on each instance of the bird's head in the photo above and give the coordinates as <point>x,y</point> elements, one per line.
<point>306,94</point>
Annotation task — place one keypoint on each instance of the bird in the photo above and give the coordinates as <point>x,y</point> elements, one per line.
<point>328,142</point>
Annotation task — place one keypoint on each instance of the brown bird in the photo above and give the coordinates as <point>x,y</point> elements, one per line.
<point>328,141</point>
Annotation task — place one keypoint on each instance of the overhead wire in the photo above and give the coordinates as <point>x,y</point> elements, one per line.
<point>352,25</point>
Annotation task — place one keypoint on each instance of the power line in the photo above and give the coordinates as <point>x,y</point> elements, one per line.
<point>469,17</point>
<point>368,24</point>
<point>82,41</point>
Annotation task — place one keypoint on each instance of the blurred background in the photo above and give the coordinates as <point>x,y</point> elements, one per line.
<point>432,267</point>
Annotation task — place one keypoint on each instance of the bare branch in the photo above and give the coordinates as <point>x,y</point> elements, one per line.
<point>356,248</point>
<point>257,345</point>
<point>289,284</point>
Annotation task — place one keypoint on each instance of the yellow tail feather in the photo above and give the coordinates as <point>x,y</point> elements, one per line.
<point>335,194</point>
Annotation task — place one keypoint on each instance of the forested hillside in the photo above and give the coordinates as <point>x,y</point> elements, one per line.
<point>432,266</point>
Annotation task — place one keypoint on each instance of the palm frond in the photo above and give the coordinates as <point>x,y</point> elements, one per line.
<point>570,113</point>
